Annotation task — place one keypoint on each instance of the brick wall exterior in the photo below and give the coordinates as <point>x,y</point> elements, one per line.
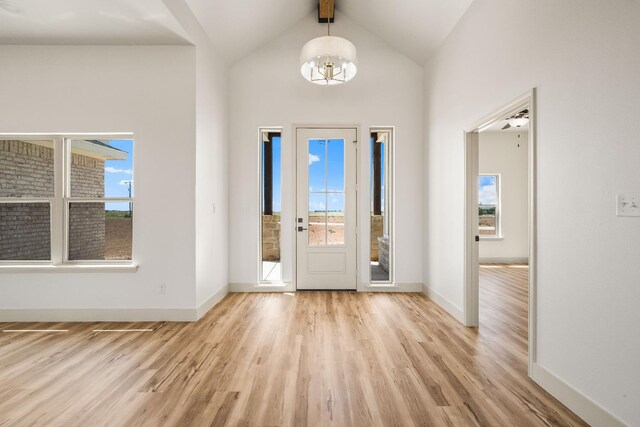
<point>377,228</point>
<point>26,170</point>
<point>86,220</point>
<point>25,231</point>
<point>270,237</point>
<point>86,231</point>
<point>87,176</point>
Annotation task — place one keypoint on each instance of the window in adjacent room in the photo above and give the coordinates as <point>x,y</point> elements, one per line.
<point>489,205</point>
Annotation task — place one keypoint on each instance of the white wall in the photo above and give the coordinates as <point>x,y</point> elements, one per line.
<point>506,153</point>
<point>268,90</point>
<point>212,157</point>
<point>149,91</point>
<point>583,58</point>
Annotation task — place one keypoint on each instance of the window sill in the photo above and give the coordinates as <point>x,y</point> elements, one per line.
<point>76,268</point>
<point>490,238</point>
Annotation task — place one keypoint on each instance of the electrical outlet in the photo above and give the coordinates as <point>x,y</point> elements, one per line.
<point>628,204</point>
<point>162,289</point>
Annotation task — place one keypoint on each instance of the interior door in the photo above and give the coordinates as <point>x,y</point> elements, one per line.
<point>326,208</point>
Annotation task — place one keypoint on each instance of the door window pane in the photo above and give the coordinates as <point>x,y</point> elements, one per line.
<point>100,231</point>
<point>26,168</point>
<point>335,166</point>
<point>317,165</point>
<point>317,219</point>
<point>25,231</point>
<point>335,219</point>
<point>326,192</point>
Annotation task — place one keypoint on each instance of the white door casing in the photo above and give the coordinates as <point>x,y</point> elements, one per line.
<point>326,217</point>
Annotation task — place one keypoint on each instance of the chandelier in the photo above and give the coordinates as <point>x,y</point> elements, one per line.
<point>328,60</point>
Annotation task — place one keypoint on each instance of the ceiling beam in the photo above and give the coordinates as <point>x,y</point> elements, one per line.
<point>326,11</point>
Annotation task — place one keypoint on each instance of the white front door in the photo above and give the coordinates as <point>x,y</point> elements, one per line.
<point>326,208</point>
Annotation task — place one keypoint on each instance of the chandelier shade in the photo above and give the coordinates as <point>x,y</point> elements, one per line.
<point>328,60</point>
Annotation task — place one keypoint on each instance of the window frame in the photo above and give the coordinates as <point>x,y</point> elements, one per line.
<point>498,215</point>
<point>389,201</point>
<point>261,132</point>
<point>59,206</point>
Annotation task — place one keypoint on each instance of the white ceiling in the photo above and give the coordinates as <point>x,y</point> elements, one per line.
<point>88,22</point>
<point>414,27</point>
<point>236,27</point>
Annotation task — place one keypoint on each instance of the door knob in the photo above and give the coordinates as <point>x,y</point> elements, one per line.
<point>301,229</point>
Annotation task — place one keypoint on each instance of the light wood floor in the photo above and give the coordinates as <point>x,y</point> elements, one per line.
<point>310,358</point>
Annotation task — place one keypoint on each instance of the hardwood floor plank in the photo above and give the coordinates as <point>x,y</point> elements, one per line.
<point>296,359</point>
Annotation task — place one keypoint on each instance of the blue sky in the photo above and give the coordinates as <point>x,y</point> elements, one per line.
<point>117,173</point>
<point>487,190</point>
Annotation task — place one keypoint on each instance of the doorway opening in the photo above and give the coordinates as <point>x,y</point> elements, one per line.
<point>500,231</point>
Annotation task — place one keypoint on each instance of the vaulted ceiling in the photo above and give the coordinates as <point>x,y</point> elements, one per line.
<point>236,27</point>
<point>414,27</point>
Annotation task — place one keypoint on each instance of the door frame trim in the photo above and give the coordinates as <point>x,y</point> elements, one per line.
<point>471,252</point>
<point>294,190</point>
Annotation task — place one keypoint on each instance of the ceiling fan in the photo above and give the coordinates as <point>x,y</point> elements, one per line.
<point>517,120</point>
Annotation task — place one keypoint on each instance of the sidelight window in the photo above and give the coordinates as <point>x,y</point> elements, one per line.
<point>270,205</point>
<point>381,231</point>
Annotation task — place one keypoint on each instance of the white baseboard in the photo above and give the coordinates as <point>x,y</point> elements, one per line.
<point>98,315</point>
<point>392,287</point>
<point>255,287</point>
<point>288,287</point>
<point>503,260</point>
<point>584,407</point>
<point>444,303</point>
<point>112,314</point>
<point>210,302</point>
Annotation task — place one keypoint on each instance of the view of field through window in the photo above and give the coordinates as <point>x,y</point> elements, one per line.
<point>326,192</point>
<point>488,205</point>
